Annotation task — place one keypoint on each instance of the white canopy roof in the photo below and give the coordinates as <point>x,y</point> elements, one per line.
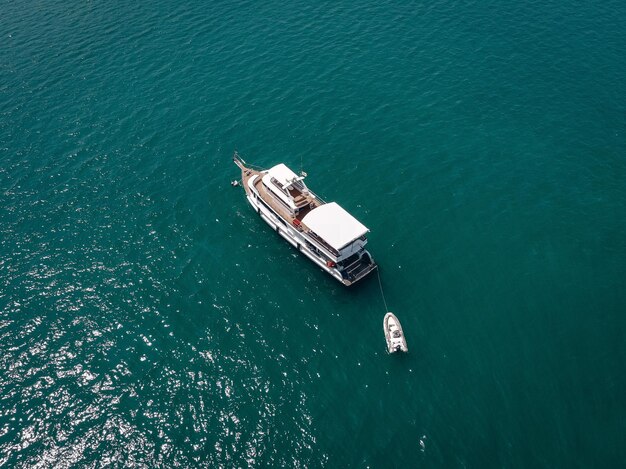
<point>283,175</point>
<point>334,225</point>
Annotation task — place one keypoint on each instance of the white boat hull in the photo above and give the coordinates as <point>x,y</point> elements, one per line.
<point>396,341</point>
<point>293,237</point>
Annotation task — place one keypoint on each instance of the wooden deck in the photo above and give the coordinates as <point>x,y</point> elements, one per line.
<point>271,200</point>
<point>277,206</point>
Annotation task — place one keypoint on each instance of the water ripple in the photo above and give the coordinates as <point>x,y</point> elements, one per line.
<point>147,318</point>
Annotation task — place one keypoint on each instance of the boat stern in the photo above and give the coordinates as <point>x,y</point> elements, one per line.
<point>358,270</point>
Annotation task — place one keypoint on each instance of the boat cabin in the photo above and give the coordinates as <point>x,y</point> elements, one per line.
<point>339,230</point>
<point>337,234</point>
<point>288,188</point>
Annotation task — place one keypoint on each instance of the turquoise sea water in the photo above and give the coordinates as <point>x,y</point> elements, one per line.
<point>148,317</point>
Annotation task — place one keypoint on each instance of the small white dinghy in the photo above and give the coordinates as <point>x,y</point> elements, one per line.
<point>396,342</point>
